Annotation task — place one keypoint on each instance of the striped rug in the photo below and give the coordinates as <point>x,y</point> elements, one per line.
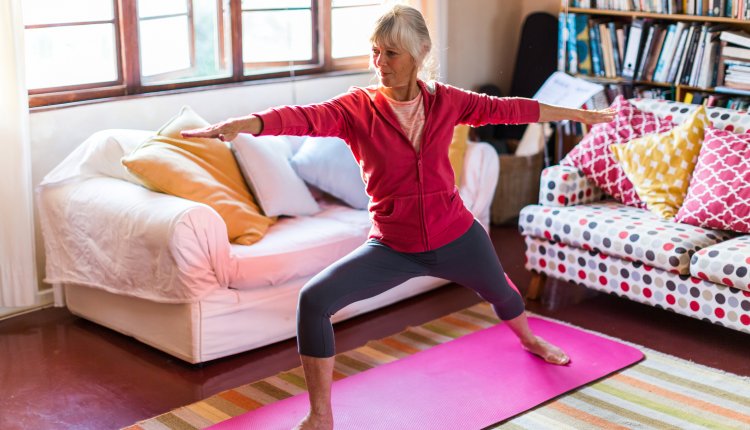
<point>660,392</point>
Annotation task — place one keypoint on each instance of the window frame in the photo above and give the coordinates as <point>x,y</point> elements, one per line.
<point>126,23</point>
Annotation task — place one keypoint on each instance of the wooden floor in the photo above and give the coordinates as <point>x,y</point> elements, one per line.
<point>58,371</point>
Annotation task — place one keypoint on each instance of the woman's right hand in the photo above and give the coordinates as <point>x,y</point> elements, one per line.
<point>227,130</point>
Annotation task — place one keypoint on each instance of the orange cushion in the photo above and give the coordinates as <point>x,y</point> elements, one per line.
<point>202,170</point>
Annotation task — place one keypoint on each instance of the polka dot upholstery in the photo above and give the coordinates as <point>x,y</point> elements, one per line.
<point>727,263</point>
<point>566,185</point>
<point>632,253</point>
<point>620,231</point>
<point>683,294</point>
<point>721,118</point>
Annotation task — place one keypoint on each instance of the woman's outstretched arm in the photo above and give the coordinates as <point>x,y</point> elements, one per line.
<point>228,129</point>
<point>559,113</point>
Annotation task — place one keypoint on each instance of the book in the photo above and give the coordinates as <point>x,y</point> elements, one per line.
<point>740,38</point>
<point>677,52</point>
<point>692,47</point>
<point>646,51</point>
<point>562,33</point>
<point>634,45</point>
<point>655,54</point>
<point>615,48</point>
<point>582,45</point>
<point>571,42</point>
<point>596,51</point>
<point>736,52</point>
<point>714,8</point>
<point>668,51</point>
<point>696,64</point>
<point>678,61</point>
<point>606,44</point>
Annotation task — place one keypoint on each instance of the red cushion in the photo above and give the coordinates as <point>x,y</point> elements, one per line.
<point>593,157</point>
<point>718,196</point>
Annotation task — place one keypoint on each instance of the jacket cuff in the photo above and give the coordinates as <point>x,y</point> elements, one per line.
<point>271,122</point>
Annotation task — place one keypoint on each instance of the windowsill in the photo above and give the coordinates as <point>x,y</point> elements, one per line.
<point>201,88</point>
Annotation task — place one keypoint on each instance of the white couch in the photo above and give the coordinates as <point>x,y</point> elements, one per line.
<point>160,268</point>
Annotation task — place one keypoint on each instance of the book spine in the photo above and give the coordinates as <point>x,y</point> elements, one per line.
<point>645,53</point>
<point>582,44</point>
<point>572,50</point>
<point>615,49</point>
<point>630,62</point>
<point>596,60</point>
<point>562,55</point>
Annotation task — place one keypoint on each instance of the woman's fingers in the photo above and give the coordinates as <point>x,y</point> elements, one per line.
<point>599,116</point>
<point>200,132</point>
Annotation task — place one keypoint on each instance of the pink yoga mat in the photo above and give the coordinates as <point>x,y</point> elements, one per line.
<point>468,383</point>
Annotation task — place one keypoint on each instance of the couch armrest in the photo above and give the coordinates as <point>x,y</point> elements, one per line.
<point>118,236</point>
<point>566,186</point>
<point>479,179</point>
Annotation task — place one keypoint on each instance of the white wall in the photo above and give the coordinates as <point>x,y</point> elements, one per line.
<point>482,39</point>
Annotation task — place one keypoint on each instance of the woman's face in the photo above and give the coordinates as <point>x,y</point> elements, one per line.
<point>395,66</point>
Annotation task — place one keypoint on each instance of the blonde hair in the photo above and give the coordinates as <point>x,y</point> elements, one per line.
<point>404,27</point>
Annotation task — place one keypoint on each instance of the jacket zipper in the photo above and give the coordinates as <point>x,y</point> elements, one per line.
<point>425,239</point>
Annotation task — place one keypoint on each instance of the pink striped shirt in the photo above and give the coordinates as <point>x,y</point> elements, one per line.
<point>410,116</point>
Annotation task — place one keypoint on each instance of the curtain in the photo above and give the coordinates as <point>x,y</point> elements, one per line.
<point>18,280</point>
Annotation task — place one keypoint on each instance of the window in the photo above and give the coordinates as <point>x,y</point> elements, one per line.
<point>72,43</point>
<point>351,23</point>
<point>277,33</point>
<point>88,49</point>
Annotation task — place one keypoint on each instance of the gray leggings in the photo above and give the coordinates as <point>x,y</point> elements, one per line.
<point>374,268</point>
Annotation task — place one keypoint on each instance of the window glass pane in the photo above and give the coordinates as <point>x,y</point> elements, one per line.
<point>148,8</point>
<point>56,11</point>
<point>274,4</point>
<point>277,36</point>
<point>74,55</point>
<point>165,45</point>
<point>350,30</point>
<point>340,3</point>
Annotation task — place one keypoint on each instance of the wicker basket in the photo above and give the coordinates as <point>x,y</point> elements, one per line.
<point>517,186</point>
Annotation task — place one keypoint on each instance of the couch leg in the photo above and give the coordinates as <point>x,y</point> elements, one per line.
<point>536,286</point>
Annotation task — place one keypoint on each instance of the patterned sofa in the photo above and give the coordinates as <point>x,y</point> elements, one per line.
<point>578,235</point>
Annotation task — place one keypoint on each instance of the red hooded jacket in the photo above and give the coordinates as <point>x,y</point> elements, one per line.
<point>414,203</point>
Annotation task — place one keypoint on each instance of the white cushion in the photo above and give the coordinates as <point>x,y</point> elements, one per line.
<point>299,247</point>
<point>264,162</point>
<point>327,163</point>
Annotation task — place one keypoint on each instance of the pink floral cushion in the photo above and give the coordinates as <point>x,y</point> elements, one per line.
<point>593,157</point>
<point>718,196</point>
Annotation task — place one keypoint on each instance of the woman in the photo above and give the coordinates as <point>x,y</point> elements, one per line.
<point>399,132</point>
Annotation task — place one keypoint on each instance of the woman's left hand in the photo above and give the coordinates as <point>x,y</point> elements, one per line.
<point>597,116</point>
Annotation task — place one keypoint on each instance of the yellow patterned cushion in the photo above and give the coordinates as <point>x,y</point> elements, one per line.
<point>457,150</point>
<point>660,165</point>
<point>202,170</point>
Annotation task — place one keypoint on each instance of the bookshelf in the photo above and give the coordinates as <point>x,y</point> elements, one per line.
<point>687,77</point>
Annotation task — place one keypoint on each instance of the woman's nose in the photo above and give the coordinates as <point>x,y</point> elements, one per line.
<point>379,60</point>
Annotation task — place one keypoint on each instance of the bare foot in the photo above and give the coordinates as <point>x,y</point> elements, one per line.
<point>316,422</point>
<point>548,352</point>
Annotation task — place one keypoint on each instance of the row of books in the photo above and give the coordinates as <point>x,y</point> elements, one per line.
<point>734,62</point>
<point>629,91</point>
<point>646,50</point>
<point>738,9</point>
<point>718,100</point>
<point>611,91</point>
